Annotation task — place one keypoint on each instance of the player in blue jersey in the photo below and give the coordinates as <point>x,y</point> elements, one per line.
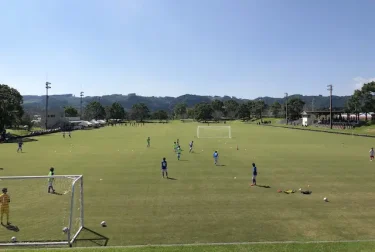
<point>164,168</point>
<point>20,144</point>
<point>255,173</point>
<point>216,157</point>
<point>191,146</point>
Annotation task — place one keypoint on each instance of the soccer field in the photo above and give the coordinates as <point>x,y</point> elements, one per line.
<point>203,203</point>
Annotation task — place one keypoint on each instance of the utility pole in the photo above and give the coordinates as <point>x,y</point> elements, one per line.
<point>286,109</point>
<point>330,88</point>
<point>81,94</point>
<point>48,86</point>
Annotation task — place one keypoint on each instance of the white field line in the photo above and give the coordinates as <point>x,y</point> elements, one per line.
<point>218,244</point>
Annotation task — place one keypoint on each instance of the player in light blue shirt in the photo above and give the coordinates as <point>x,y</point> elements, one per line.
<point>191,146</point>
<point>216,157</point>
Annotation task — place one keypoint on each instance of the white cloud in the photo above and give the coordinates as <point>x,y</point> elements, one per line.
<point>359,81</point>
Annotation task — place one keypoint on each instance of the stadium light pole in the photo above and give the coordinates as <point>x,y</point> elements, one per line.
<point>81,94</point>
<point>330,88</point>
<point>286,108</point>
<point>48,86</point>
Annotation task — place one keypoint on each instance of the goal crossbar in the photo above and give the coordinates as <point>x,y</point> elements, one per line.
<point>212,129</point>
<point>70,237</point>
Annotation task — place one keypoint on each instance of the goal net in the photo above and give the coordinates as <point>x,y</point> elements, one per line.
<point>40,218</point>
<point>214,132</point>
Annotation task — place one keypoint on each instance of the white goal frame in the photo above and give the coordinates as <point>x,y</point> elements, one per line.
<point>70,237</point>
<point>215,127</point>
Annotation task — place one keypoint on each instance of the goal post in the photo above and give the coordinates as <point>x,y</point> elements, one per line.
<point>214,132</point>
<point>39,218</point>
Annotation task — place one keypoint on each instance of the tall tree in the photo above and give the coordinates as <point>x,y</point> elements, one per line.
<point>190,113</point>
<point>11,110</point>
<point>244,112</point>
<point>94,110</point>
<point>231,107</point>
<point>140,112</point>
<point>70,111</point>
<point>276,109</point>
<point>27,121</point>
<point>180,110</point>
<point>117,111</point>
<point>160,115</point>
<point>295,108</point>
<point>203,112</point>
<point>217,105</point>
<point>258,108</point>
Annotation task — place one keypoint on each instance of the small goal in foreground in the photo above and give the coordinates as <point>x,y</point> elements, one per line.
<point>214,132</point>
<point>39,218</point>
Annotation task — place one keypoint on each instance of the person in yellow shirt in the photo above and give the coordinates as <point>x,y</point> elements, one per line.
<point>4,208</point>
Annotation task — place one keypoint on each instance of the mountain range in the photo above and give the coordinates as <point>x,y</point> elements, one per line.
<point>36,104</point>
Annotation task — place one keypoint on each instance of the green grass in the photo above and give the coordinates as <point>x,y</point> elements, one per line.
<point>205,204</point>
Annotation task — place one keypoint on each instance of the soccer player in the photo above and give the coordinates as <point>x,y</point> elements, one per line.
<point>179,152</point>
<point>216,157</point>
<point>191,146</point>
<point>20,144</point>
<point>164,167</point>
<point>51,180</point>
<point>70,134</point>
<point>4,209</point>
<point>64,134</point>
<point>255,173</point>
<point>371,154</point>
<point>148,142</point>
<point>175,147</point>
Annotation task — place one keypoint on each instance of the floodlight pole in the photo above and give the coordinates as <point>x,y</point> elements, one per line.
<point>330,88</point>
<point>286,105</point>
<point>48,86</point>
<point>81,94</point>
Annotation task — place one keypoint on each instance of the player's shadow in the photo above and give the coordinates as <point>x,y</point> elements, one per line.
<point>264,186</point>
<point>221,165</point>
<point>171,178</point>
<point>11,227</point>
<point>183,160</point>
<point>1,169</point>
<point>57,193</point>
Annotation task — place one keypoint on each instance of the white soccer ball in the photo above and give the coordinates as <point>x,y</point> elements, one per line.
<point>234,177</point>
<point>14,239</point>
<point>65,229</point>
<point>300,189</point>
<point>325,199</point>
<point>103,224</point>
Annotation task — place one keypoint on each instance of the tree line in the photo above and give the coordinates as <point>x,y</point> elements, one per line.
<point>362,100</point>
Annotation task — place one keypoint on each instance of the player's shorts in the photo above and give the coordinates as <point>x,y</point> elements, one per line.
<point>255,175</point>
<point>4,210</point>
<point>50,184</point>
<point>372,156</point>
<point>164,170</point>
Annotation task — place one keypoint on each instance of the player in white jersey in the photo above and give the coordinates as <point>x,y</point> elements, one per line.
<point>371,154</point>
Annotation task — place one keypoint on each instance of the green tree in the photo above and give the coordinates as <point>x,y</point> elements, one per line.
<point>70,111</point>
<point>26,120</point>
<point>180,110</point>
<point>94,110</point>
<point>117,111</point>
<point>295,108</point>
<point>244,112</point>
<point>231,108</point>
<point>203,112</point>
<point>190,113</point>
<point>140,112</point>
<point>160,115</point>
<point>258,108</point>
<point>276,109</point>
<point>11,110</point>
<point>217,105</point>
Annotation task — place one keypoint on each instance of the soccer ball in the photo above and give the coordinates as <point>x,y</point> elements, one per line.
<point>65,229</point>
<point>325,199</point>
<point>14,239</point>
<point>103,223</point>
<point>300,189</point>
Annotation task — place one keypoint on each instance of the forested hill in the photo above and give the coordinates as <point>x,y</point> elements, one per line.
<point>37,103</point>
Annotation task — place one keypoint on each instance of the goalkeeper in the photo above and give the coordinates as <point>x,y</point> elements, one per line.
<point>4,200</point>
<point>51,180</point>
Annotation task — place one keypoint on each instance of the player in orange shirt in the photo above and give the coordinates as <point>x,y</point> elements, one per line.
<point>4,208</point>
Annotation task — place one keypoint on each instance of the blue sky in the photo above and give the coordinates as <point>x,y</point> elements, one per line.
<point>240,48</point>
